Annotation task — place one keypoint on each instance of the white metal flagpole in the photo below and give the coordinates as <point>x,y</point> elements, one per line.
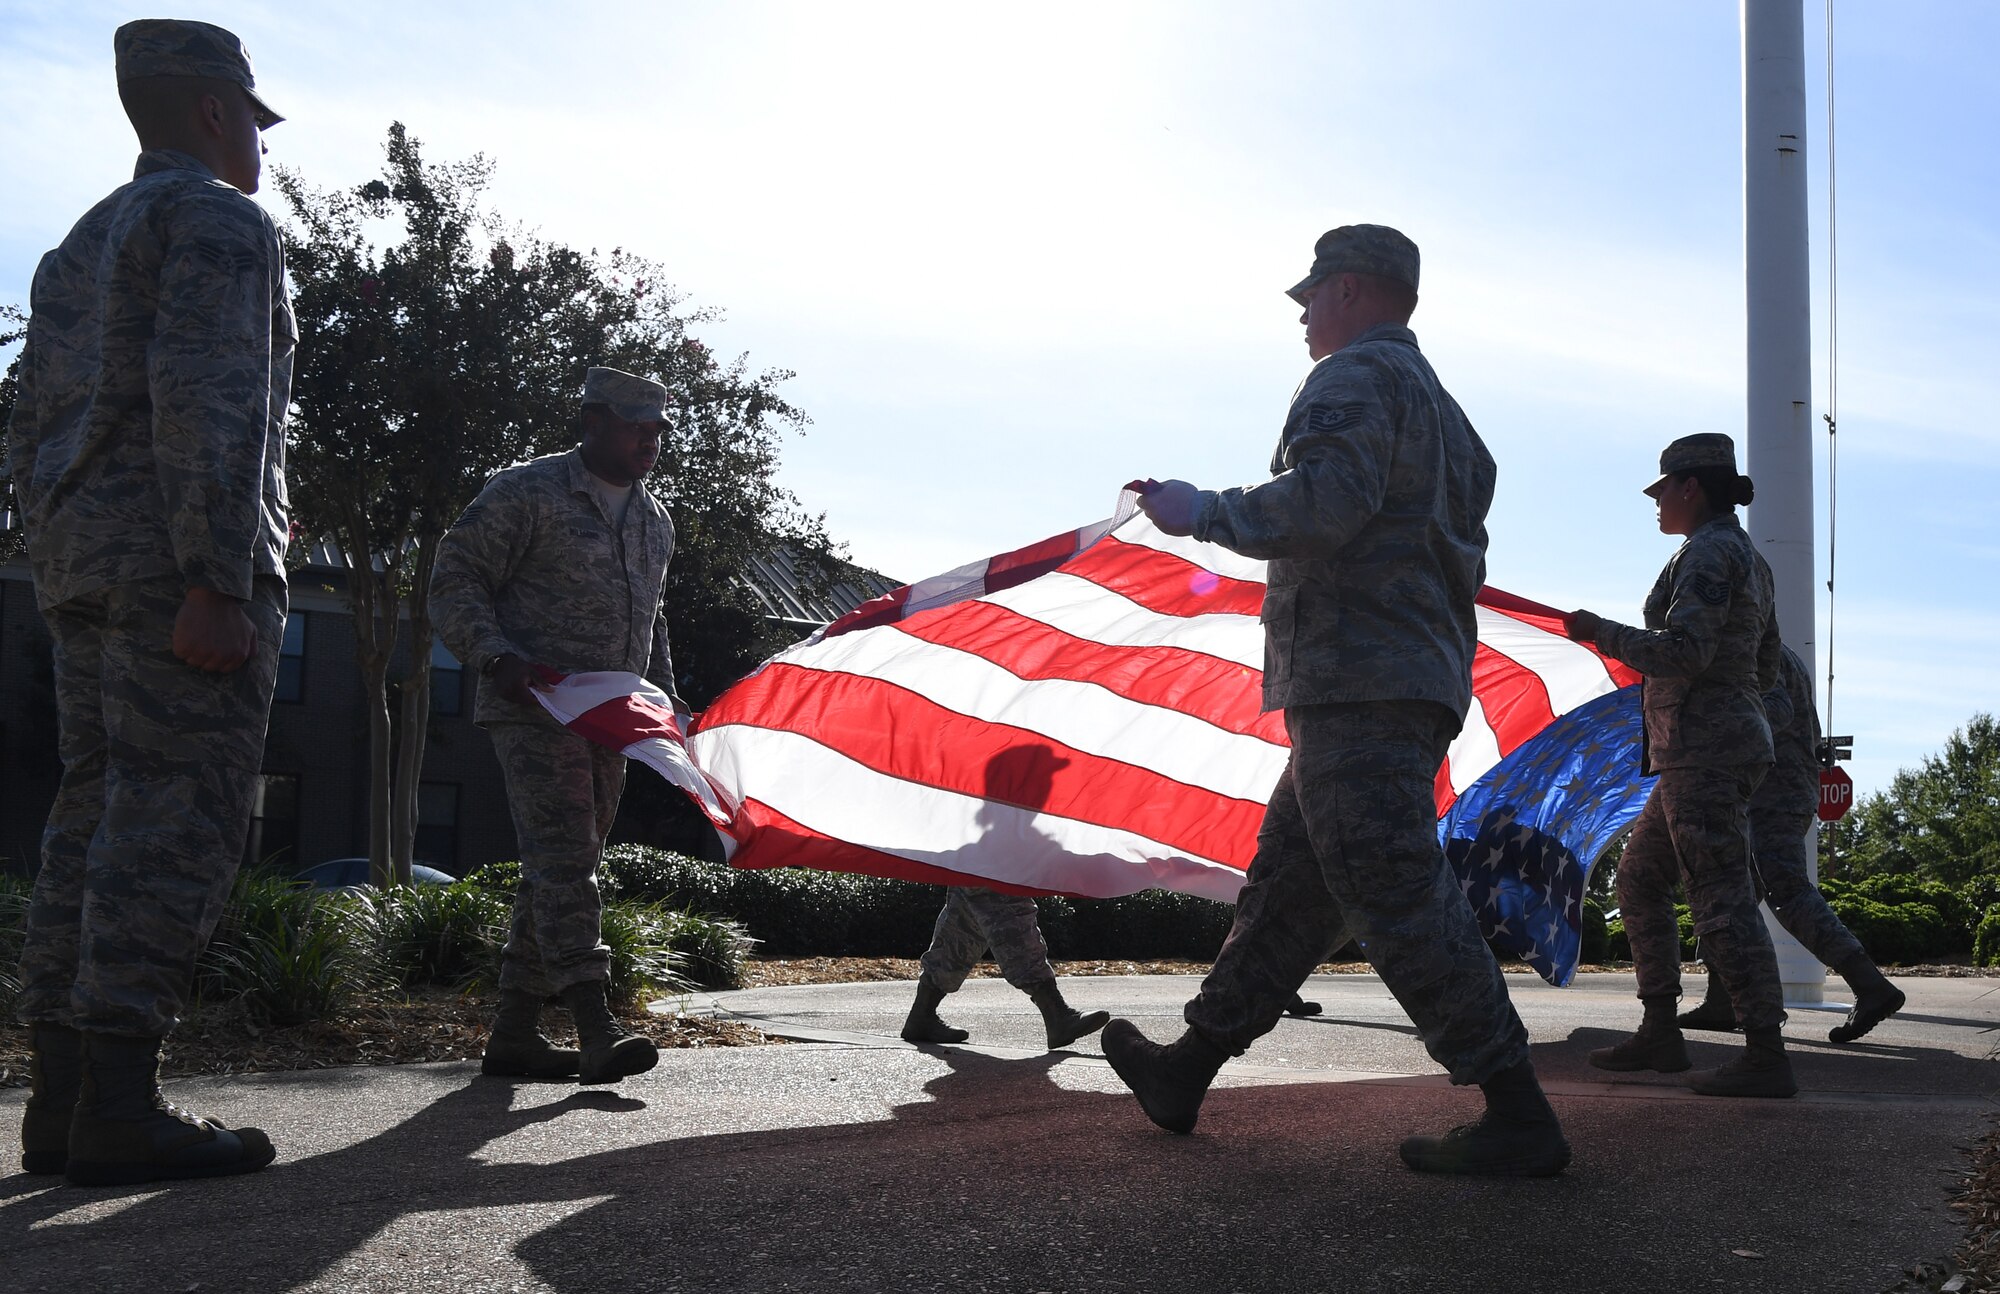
<point>1778,311</point>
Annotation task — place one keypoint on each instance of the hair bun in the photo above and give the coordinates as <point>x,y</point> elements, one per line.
<point>1745,492</point>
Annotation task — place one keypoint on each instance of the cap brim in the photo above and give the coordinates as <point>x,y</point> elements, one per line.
<point>1653,491</point>
<point>271,115</point>
<point>1298,290</point>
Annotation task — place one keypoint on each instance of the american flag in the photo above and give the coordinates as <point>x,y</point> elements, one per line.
<point>1081,716</point>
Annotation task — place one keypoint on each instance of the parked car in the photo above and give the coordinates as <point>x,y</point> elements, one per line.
<point>347,873</point>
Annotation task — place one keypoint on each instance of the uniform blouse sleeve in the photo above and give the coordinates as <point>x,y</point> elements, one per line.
<point>1339,443</point>
<point>208,370</point>
<point>476,559</point>
<point>1704,582</point>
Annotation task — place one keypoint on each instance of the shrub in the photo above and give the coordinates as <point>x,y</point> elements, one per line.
<point>794,911</point>
<point>643,957</point>
<point>1146,925</point>
<point>712,950</point>
<point>1986,943</point>
<point>14,893</point>
<point>1899,934</point>
<point>1595,935</point>
<point>290,954</point>
<point>497,878</point>
<point>1957,915</point>
<point>1618,944</point>
<point>441,934</point>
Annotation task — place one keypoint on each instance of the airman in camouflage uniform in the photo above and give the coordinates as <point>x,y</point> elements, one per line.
<point>976,919</point>
<point>1781,813</point>
<point>559,564</point>
<point>1374,527</point>
<point>1709,651</point>
<point>147,454</point>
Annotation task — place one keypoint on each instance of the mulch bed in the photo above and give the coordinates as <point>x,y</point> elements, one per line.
<point>422,1025</point>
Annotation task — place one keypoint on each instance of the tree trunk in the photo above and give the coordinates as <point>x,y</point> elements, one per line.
<point>375,607</point>
<point>416,715</point>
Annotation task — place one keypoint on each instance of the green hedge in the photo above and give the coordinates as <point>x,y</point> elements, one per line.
<point>1618,946</point>
<point>1986,942</point>
<point>799,912</point>
<point>1900,920</point>
<point>1596,935</point>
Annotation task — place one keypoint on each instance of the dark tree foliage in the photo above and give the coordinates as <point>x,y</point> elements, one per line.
<point>13,326</point>
<point>1939,820</point>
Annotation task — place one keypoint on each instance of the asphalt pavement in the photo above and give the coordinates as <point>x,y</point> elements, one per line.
<point>850,1161</point>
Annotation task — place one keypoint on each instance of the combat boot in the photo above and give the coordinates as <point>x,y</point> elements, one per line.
<point>1064,1023</point>
<point>610,1051</point>
<point>1875,998</point>
<point>124,1131</point>
<point>1517,1136</point>
<point>55,1072</point>
<point>1657,1046</point>
<point>1301,1008</point>
<point>1762,1070</point>
<point>516,1047</point>
<point>923,1024</point>
<point>1716,1013</point>
<point>1169,1081</point>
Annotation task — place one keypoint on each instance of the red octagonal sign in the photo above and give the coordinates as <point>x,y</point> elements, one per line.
<point>1836,794</point>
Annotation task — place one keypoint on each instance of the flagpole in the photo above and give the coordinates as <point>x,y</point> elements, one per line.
<point>1778,313</point>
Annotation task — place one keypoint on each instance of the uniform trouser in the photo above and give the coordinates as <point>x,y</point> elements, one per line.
<point>974,920</point>
<point>160,769</point>
<point>1778,837</point>
<point>563,792</point>
<point>1349,846</point>
<point>1695,827</point>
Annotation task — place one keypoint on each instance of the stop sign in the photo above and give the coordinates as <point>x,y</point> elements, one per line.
<point>1836,794</point>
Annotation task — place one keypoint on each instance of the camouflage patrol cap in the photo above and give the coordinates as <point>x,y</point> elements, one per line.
<point>184,47</point>
<point>1360,249</point>
<point>631,397</point>
<point>1691,454</point>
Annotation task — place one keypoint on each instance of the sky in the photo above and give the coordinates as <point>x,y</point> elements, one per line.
<point>1015,256</point>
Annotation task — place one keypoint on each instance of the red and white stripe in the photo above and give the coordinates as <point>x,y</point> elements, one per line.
<point>1132,656</point>
<point>628,714</point>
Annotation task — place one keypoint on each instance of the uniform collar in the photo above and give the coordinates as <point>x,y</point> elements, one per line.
<point>169,159</point>
<point>1727,520</point>
<point>1388,332</point>
<point>583,481</point>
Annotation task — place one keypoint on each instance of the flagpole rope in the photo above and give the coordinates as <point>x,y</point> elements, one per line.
<point>1832,415</point>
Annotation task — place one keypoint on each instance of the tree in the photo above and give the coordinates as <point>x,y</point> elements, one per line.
<point>1940,820</point>
<point>13,327</point>
<point>430,363</point>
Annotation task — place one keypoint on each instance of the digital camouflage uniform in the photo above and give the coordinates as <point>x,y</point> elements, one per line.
<point>1374,527</point>
<point>147,452</point>
<point>1709,650</point>
<point>1782,812</point>
<point>538,567</point>
<point>974,920</point>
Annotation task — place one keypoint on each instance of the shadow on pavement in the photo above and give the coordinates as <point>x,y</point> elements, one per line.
<point>1003,1177</point>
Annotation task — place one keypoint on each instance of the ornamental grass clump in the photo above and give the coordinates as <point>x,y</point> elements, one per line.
<point>643,957</point>
<point>13,929</point>
<point>289,954</point>
<point>441,934</point>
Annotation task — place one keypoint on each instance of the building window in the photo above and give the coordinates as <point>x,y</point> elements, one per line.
<point>292,660</point>
<point>447,680</point>
<point>437,826</point>
<point>274,824</point>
